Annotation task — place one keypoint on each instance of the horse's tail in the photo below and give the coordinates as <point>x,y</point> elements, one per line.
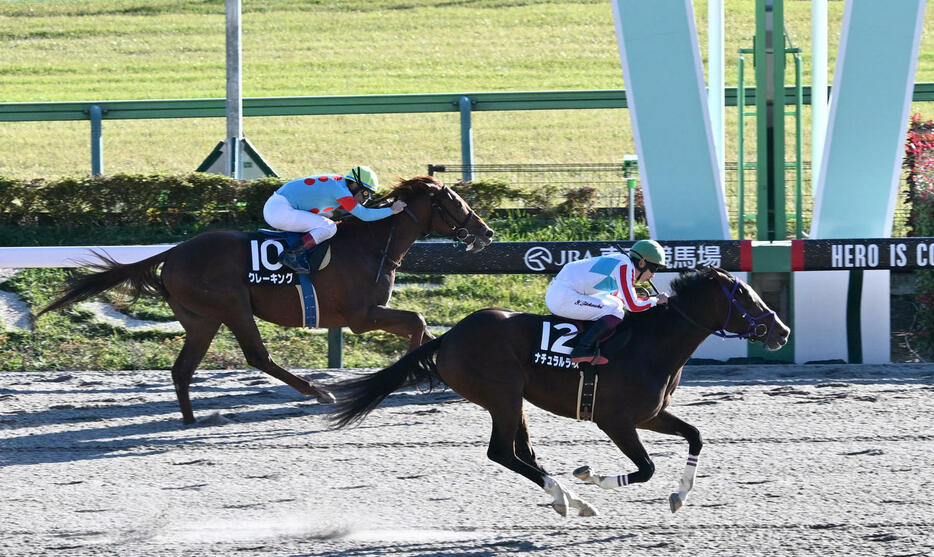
<point>358,397</point>
<point>140,279</point>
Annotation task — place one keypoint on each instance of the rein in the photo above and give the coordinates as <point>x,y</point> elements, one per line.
<point>755,330</point>
<point>382,259</point>
<point>458,230</point>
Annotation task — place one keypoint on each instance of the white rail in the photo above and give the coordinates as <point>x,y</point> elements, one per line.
<point>73,256</point>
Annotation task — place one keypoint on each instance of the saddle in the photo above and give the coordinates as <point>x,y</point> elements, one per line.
<point>264,268</point>
<point>559,335</point>
<point>318,257</point>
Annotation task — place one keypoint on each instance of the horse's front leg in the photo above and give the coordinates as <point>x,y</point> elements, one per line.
<point>408,324</point>
<point>671,425</point>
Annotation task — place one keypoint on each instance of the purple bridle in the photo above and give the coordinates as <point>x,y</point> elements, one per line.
<point>756,328</point>
<point>753,322</point>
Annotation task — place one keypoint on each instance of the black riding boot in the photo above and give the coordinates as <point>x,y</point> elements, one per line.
<point>586,349</point>
<point>295,259</point>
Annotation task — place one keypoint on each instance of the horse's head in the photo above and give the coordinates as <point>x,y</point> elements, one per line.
<point>740,313</point>
<point>437,208</point>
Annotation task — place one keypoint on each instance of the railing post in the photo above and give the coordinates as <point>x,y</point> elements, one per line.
<point>464,104</point>
<point>97,140</point>
<point>335,347</point>
<point>630,162</point>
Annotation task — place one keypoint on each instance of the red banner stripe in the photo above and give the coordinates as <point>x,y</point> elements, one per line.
<point>797,255</point>
<point>745,255</point>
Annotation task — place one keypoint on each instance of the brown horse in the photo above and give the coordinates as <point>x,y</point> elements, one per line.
<point>487,358</point>
<point>204,282</point>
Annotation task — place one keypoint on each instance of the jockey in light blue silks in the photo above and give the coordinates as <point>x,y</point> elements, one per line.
<point>305,205</point>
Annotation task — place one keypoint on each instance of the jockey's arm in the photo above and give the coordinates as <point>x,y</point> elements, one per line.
<point>350,205</point>
<point>627,290</point>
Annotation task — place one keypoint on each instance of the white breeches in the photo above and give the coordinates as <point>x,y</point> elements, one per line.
<point>279,213</point>
<point>564,301</point>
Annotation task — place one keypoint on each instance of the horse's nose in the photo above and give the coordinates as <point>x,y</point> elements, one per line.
<point>488,233</point>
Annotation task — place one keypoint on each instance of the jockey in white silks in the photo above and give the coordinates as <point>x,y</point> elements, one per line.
<point>602,289</point>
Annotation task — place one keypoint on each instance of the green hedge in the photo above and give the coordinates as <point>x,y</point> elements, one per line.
<point>134,199</point>
<point>141,208</point>
<point>919,162</point>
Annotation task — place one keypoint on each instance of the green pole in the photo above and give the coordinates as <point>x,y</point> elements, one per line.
<point>741,156</point>
<point>770,119</point>
<point>799,103</point>
<point>629,163</point>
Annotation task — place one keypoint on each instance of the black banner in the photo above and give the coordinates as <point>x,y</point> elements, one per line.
<point>549,257</point>
<point>860,253</point>
<point>901,254</point>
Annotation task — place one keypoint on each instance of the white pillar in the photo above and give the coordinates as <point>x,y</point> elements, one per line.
<point>818,86</point>
<point>716,80</point>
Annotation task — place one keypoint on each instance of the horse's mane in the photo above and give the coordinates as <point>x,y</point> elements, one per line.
<point>687,284</point>
<point>404,189</point>
<point>688,281</point>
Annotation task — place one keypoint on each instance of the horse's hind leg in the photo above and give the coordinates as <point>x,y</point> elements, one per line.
<point>524,448</point>
<point>671,425</point>
<point>199,332</point>
<point>244,328</point>
<point>507,418</point>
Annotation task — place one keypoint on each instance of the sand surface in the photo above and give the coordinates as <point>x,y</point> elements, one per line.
<point>798,460</point>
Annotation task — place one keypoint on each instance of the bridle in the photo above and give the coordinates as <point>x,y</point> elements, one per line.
<point>458,229</point>
<point>756,328</point>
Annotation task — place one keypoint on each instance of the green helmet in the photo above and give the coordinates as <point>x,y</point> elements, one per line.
<point>650,250</point>
<point>364,176</point>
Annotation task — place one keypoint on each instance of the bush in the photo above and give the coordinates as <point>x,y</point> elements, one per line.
<point>195,199</point>
<point>919,162</point>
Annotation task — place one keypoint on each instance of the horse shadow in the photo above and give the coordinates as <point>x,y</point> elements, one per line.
<point>82,441</point>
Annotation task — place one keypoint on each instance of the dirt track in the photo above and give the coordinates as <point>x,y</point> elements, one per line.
<point>831,460</point>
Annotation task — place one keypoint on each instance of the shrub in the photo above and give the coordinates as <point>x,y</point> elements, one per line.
<point>919,163</point>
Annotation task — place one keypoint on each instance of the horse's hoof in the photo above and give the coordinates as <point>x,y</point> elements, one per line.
<point>587,510</point>
<point>675,501</point>
<point>582,473</point>
<point>560,508</point>
<point>325,397</point>
<point>583,507</point>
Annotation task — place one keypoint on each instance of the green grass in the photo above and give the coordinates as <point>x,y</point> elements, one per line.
<point>162,49</point>
<point>71,339</point>
<point>122,49</point>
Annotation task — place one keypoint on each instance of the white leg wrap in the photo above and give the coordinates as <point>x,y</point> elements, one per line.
<point>561,501</point>
<point>687,478</point>
<point>611,482</point>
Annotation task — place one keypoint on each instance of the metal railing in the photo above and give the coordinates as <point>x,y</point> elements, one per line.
<point>465,103</point>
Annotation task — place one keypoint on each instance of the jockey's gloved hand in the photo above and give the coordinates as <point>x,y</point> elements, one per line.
<point>662,298</point>
<point>398,206</point>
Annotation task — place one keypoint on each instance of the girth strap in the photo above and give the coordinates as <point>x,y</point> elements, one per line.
<point>586,392</point>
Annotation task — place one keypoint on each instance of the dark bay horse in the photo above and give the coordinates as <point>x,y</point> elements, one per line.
<point>204,282</point>
<point>486,358</point>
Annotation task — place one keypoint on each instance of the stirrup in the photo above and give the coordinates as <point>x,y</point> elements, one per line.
<point>594,359</point>
<point>297,261</point>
